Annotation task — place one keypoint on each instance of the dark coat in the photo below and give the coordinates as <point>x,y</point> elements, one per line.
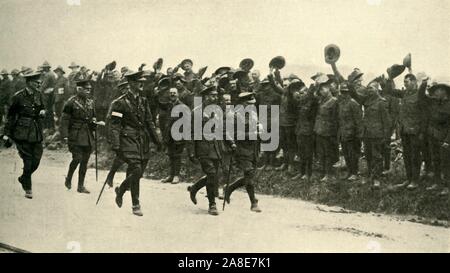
<point>77,122</point>
<point>439,116</point>
<point>131,127</point>
<point>23,120</point>
<point>411,116</point>
<point>376,122</point>
<point>350,119</point>
<point>306,114</point>
<point>327,118</point>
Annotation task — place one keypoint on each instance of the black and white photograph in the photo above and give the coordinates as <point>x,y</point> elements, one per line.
<point>213,127</point>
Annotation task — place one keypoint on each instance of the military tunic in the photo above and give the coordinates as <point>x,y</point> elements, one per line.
<point>24,126</point>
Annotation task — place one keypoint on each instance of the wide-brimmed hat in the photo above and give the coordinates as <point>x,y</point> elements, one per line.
<point>395,70</point>
<point>278,62</point>
<point>434,87</point>
<point>31,75</point>
<point>246,64</point>
<point>73,65</point>
<point>356,74</point>
<point>59,68</point>
<point>45,65</point>
<point>186,61</point>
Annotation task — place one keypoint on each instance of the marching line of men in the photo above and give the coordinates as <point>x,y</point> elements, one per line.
<point>314,122</point>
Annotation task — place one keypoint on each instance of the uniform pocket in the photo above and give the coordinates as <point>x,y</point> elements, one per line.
<point>22,129</point>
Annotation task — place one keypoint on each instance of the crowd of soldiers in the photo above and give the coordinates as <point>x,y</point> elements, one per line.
<point>131,109</point>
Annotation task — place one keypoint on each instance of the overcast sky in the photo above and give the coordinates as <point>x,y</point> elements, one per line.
<point>372,34</point>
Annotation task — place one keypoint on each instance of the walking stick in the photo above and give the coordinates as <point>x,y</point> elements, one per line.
<point>98,199</point>
<point>228,179</point>
<point>96,157</point>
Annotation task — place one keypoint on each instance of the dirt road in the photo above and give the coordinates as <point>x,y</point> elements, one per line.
<point>57,220</point>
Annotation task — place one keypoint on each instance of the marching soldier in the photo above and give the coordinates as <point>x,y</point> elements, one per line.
<point>325,127</point>
<point>349,130</point>
<point>131,129</point>
<point>175,148</point>
<point>78,123</point>
<point>209,154</point>
<point>61,90</point>
<point>47,89</point>
<point>375,127</point>
<point>123,88</point>
<point>24,127</point>
<point>246,153</point>
<point>439,132</point>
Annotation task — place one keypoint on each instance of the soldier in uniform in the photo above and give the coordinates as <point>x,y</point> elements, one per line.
<point>184,95</point>
<point>71,78</point>
<point>325,127</point>
<point>61,92</point>
<point>47,89</point>
<point>123,88</point>
<point>5,93</point>
<point>18,82</point>
<point>78,123</point>
<point>246,152</point>
<point>175,147</point>
<point>132,127</point>
<point>410,127</point>
<point>393,110</point>
<point>24,127</point>
<point>438,129</point>
<point>375,127</point>
<point>349,130</point>
<point>268,95</point>
<point>307,105</point>
<point>208,152</point>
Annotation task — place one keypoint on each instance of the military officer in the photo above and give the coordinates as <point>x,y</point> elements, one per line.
<point>47,89</point>
<point>131,128</point>
<point>246,152</point>
<point>375,127</point>
<point>349,130</point>
<point>208,152</point>
<point>123,88</point>
<point>61,91</point>
<point>325,127</point>
<point>24,127</point>
<point>78,123</point>
<point>175,147</point>
<point>438,129</point>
